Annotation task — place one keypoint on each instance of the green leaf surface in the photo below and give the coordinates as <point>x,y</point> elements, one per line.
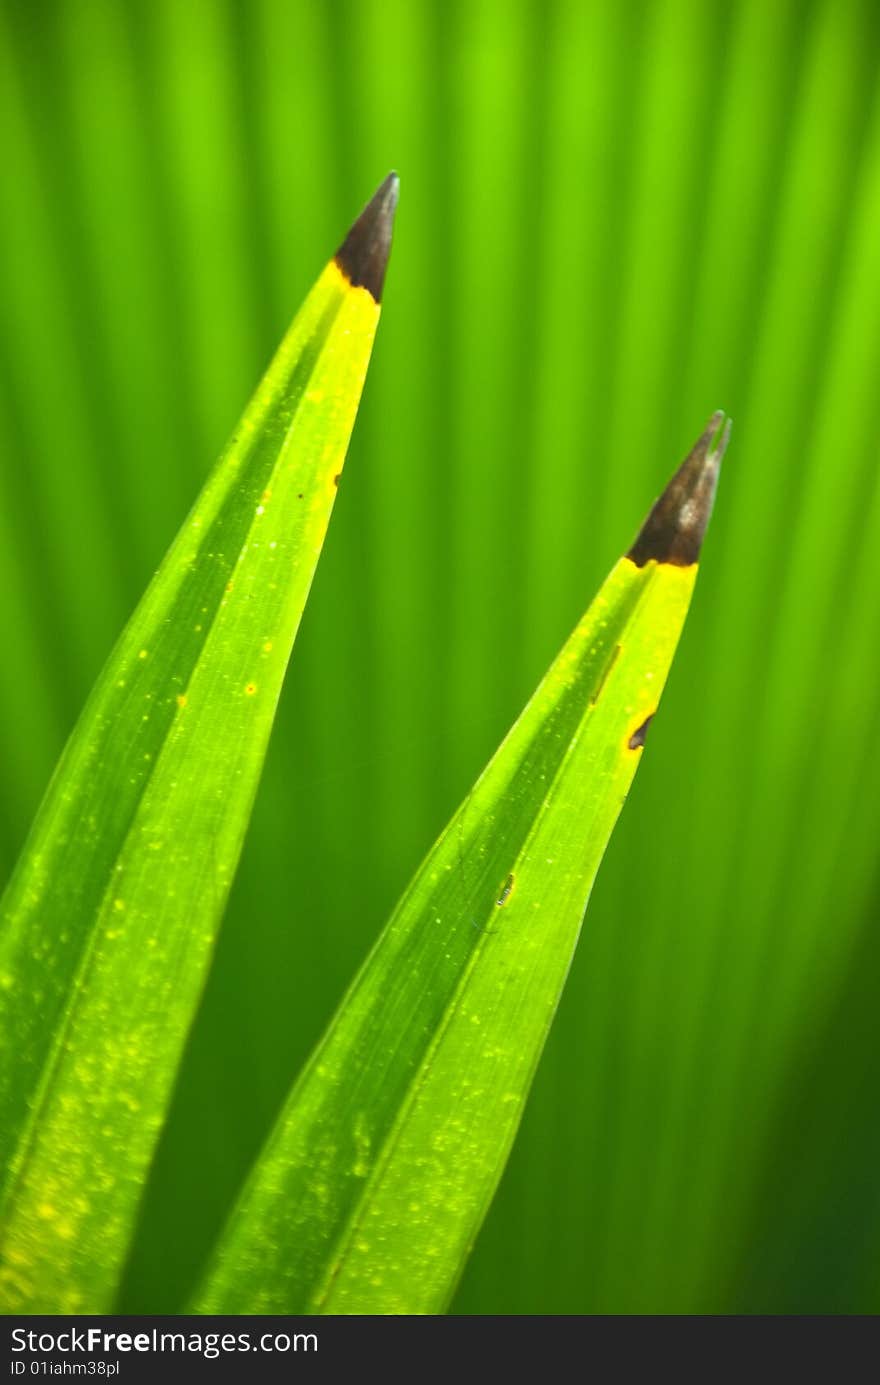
<point>370,1192</point>
<point>109,920</point>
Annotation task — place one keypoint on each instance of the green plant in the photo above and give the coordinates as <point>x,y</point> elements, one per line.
<point>109,920</point>
<point>615,214</point>
<point>374,1184</point>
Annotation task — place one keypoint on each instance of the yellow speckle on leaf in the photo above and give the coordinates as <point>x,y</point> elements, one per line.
<point>267,647</point>
<point>119,905</point>
<point>181,699</point>
<point>250,689</point>
<point>143,654</point>
<point>362,1142</point>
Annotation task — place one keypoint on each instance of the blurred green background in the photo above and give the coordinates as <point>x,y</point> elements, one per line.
<point>615,217</point>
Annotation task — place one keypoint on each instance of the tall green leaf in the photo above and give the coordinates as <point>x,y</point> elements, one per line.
<point>374,1184</point>
<point>109,920</point>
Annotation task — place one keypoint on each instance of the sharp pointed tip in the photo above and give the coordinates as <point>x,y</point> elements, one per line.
<point>363,255</point>
<point>674,529</point>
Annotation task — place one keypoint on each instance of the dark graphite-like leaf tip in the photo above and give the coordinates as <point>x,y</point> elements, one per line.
<point>673,531</point>
<point>363,255</point>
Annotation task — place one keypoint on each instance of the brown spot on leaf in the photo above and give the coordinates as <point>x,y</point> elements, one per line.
<point>637,739</point>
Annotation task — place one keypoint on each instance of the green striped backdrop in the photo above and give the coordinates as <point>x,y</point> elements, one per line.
<point>616,216</point>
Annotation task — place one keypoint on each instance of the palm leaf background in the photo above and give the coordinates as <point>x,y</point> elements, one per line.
<point>615,217</point>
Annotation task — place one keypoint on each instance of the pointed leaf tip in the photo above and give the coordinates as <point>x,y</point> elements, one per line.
<point>363,255</point>
<point>674,529</point>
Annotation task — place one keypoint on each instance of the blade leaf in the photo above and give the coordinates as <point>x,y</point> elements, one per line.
<point>109,920</point>
<point>374,1183</point>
